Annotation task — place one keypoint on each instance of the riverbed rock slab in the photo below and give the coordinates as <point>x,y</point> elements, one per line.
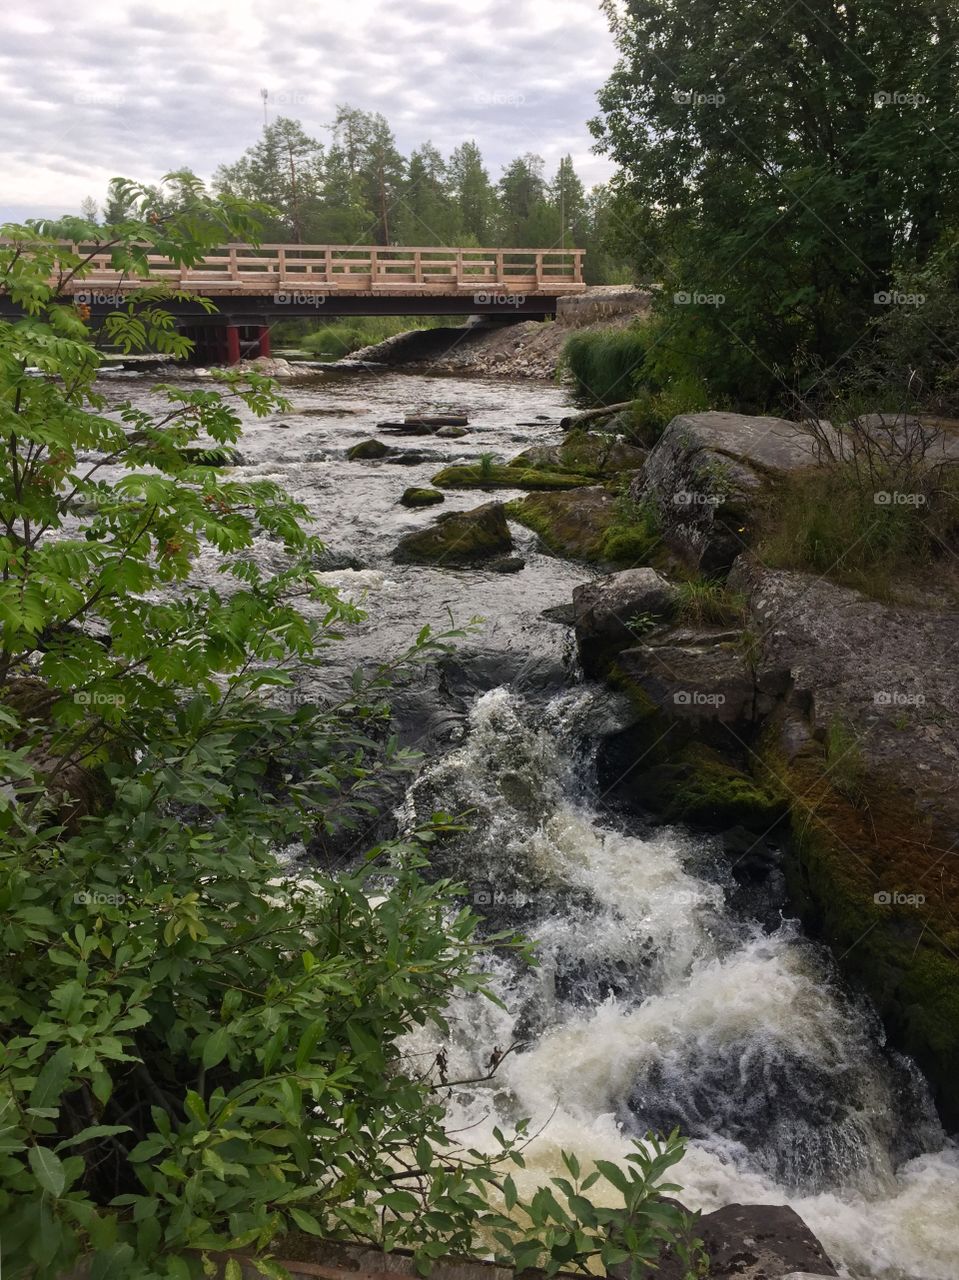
<point>706,474</point>
<point>367,449</point>
<point>607,611</point>
<point>458,539</point>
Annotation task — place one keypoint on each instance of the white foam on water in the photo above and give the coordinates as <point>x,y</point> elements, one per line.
<point>709,1012</point>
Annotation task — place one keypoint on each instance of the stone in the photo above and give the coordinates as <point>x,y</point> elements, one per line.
<point>605,609</point>
<point>572,524</point>
<point>507,564</point>
<point>452,433</point>
<point>368,449</point>
<point>708,682</point>
<point>473,476</point>
<point>414,497</point>
<point>458,539</point>
<point>585,453</point>
<point>706,474</point>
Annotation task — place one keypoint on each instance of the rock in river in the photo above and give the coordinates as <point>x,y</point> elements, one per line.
<point>458,539</point>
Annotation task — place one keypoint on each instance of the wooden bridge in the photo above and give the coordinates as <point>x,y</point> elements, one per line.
<point>307,275</point>
<point>256,285</point>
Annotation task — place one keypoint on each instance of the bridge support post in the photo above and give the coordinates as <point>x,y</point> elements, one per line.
<point>232,344</point>
<point>263,337</point>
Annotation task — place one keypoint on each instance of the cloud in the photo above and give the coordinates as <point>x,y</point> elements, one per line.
<point>137,89</point>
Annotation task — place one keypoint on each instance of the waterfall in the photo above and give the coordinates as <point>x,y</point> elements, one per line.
<point>657,1003</point>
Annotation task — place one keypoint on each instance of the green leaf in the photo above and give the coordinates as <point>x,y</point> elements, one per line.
<point>305,1221</point>
<point>53,1076</point>
<point>48,1170</point>
<point>216,1047</point>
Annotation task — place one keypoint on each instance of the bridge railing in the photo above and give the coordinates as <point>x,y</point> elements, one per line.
<point>301,268</point>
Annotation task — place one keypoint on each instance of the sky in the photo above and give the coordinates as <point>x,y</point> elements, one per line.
<point>123,87</point>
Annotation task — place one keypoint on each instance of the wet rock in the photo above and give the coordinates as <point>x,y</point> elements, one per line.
<point>452,432</point>
<point>475,476</point>
<point>368,449</point>
<point>458,539</point>
<point>572,524</point>
<point>705,681</point>
<point>706,474</point>
<point>564,614</point>
<point>414,497</point>
<point>407,458</point>
<point>750,1242</point>
<point>507,564</point>
<point>267,366</point>
<point>220,455</point>
<point>607,610</point>
<point>584,453</point>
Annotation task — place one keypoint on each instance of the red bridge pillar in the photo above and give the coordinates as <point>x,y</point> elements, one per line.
<point>232,344</point>
<point>263,336</point>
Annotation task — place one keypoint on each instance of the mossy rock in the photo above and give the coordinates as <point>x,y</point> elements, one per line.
<point>367,449</point>
<point>458,539</point>
<point>498,476</point>
<point>583,453</point>
<point>210,455</point>
<point>846,865</point>
<point>699,787</point>
<point>572,524</point>
<point>414,497</point>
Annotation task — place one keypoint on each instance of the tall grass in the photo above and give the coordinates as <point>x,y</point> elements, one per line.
<point>606,364</point>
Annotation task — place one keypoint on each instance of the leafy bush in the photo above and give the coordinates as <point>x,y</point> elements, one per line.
<point>201,1050</point>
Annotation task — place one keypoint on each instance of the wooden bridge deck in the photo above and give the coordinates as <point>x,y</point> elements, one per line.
<point>242,270</point>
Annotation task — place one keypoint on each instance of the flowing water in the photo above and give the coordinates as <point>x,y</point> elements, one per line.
<point>662,996</point>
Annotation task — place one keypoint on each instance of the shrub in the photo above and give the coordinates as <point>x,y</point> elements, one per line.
<point>704,601</point>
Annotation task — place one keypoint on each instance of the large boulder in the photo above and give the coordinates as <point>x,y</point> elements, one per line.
<point>707,474</point>
<point>584,452</point>
<point>458,539</point>
<point>611,612</point>
<point>701,678</point>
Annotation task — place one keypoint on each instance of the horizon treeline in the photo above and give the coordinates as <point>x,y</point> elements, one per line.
<point>361,189</point>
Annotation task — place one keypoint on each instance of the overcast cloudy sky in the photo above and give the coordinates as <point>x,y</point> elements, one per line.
<point>120,87</point>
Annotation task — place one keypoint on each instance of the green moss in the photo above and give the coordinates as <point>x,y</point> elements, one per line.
<point>499,476</point>
<point>458,538</point>
<point>368,449</point>
<point>572,524</point>
<point>904,955</point>
<point>699,787</point>
<point>414,497</point>
<point>584,453</point>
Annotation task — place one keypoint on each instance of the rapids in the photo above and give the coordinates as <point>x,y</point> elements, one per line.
<point>660,998</point>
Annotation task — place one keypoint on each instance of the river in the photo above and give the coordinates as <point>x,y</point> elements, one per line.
<point>664,996</point>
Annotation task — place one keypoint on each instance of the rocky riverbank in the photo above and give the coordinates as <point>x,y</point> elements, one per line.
<point>813,727</point>
<point>524,349</point>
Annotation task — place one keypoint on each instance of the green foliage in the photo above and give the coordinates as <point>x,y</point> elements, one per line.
<point>774,208</point>
<point>485,466</point>
<point>606,365</point>
<point>201,1049</point>
<point>845,768</point>
<point>634,537</point>
<point>705,601</point>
